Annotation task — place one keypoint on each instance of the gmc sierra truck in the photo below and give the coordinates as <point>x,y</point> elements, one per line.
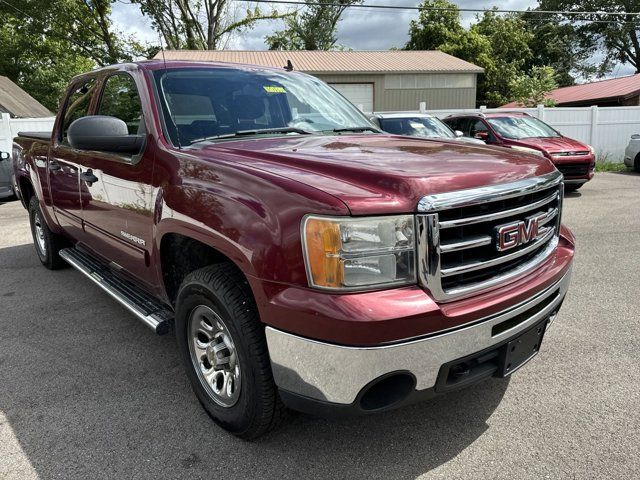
<point>302,257</point>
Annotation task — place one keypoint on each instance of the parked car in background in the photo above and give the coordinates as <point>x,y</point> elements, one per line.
<point>520,131</point>
<point>6,174</point>
<point>632,153</point>
<point>420,125</point>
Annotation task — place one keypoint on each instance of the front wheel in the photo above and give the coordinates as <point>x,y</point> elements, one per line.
<point>47,243</point>
<point>224,350</point>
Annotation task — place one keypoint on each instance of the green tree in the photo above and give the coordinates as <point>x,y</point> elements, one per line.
<point>435,28</point>
<point>199,24</point>
<point>604,40</point>
<point>529,90</point>
<point>509,40</point>
<point>43,44</point>
<point>311,28</point>
<point>497,43</point>
<point>554,44</point>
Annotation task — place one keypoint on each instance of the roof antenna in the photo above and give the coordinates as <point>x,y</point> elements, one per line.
<point>173,122</point>
<point>289,66</point>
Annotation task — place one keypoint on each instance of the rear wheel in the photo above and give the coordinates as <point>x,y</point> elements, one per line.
<point>224,350</point>
<point>47,243</point>
<point>636,163</point>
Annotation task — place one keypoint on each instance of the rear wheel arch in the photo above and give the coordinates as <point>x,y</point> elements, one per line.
<point>26,190</point>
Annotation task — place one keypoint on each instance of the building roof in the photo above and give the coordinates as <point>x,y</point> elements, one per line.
<point>612,89</point>
<point>19,103</point>
<point>337,62</point>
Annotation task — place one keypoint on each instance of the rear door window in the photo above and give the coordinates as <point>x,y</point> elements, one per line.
<point>77,104</point>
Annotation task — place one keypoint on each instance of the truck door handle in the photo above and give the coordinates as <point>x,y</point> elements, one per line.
<point>54,166</point>
<point>88,177</point>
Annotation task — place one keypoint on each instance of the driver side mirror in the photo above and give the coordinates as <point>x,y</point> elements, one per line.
<point>482,136</point>
<point>5,156</point>
<point>458,133</point>
<point>103,133</point>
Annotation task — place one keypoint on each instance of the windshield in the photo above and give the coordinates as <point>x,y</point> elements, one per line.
<point>517,128</point>
<point>417,127</point>
<point>204,103</point>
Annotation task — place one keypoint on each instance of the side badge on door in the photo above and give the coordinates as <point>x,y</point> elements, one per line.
<point>133,238</point>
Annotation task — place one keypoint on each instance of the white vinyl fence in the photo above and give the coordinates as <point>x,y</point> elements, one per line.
<point>607,129</point>
<point>9,128</point>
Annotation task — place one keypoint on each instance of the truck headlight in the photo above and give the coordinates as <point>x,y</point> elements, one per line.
<point>346,253</point>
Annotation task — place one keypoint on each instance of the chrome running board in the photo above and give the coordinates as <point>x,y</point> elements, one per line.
<point>145,307</point>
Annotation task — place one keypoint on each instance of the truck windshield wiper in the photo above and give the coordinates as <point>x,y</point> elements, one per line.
<point>259,131</point>
<point>356,129</point>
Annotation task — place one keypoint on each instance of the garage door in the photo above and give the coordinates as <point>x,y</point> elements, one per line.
<point>360,94</point>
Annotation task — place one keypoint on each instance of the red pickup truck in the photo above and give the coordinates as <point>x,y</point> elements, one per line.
<point>302,257</point>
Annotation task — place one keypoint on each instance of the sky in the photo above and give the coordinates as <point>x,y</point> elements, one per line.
<point>359,28</point>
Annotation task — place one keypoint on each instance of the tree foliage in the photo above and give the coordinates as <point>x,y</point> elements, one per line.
<point>503,45</point>
<point>199,24</point>
<point>435,27</point>
<point>44,43</point>
<point>530,90</point>
<point>311,28</point>
<point>617,37</point>
<point>554,44</point>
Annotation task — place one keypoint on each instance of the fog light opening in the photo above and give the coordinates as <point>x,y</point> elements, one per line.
<point>387,391</point>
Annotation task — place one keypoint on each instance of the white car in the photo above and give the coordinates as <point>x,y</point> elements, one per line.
<point>632,153</point>
<point>420,125</point>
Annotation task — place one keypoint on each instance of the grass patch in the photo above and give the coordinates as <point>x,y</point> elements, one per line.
<point>605,166</point>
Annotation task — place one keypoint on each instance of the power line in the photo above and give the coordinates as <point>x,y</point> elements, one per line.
<point>449,9</point>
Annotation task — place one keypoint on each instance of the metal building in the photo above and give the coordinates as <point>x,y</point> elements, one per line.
<point>375,81</point>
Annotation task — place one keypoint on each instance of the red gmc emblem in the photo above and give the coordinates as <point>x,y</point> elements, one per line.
<point>515,234</point>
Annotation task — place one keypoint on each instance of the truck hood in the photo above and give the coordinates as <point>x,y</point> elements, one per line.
<point>553,144</point>
<point>378,174</point>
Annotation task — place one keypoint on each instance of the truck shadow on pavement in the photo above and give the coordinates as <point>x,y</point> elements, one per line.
<point>89,392</point>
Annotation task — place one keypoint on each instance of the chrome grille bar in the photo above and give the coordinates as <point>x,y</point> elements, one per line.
<point>472,267</point>
<point>498,215</point>
<point>466,244</point>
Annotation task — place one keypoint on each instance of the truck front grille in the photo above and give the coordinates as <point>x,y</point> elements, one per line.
<point>460,252</point>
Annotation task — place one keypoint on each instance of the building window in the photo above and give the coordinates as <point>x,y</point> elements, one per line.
<point>415,81</point>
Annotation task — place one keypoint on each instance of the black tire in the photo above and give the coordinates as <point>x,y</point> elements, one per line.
<point>223,289</point>
<point>636,163</point>
<point>47,243</point>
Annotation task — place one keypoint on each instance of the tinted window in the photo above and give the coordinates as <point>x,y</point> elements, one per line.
<point>478,126</point>
<point>463,124</point>
<point>416,127</point>
<point>214,102</point>
<point>120,99</point>
<point>78,104</point>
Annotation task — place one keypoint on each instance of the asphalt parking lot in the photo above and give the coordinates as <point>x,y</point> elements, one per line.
<point>86,391</point>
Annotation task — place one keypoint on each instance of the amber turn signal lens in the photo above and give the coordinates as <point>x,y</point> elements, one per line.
<point>323,252</point>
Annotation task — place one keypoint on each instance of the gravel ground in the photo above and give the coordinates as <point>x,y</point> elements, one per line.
<point>86,391</point>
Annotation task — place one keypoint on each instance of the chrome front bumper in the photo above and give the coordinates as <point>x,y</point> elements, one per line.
<point>337,374</point>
